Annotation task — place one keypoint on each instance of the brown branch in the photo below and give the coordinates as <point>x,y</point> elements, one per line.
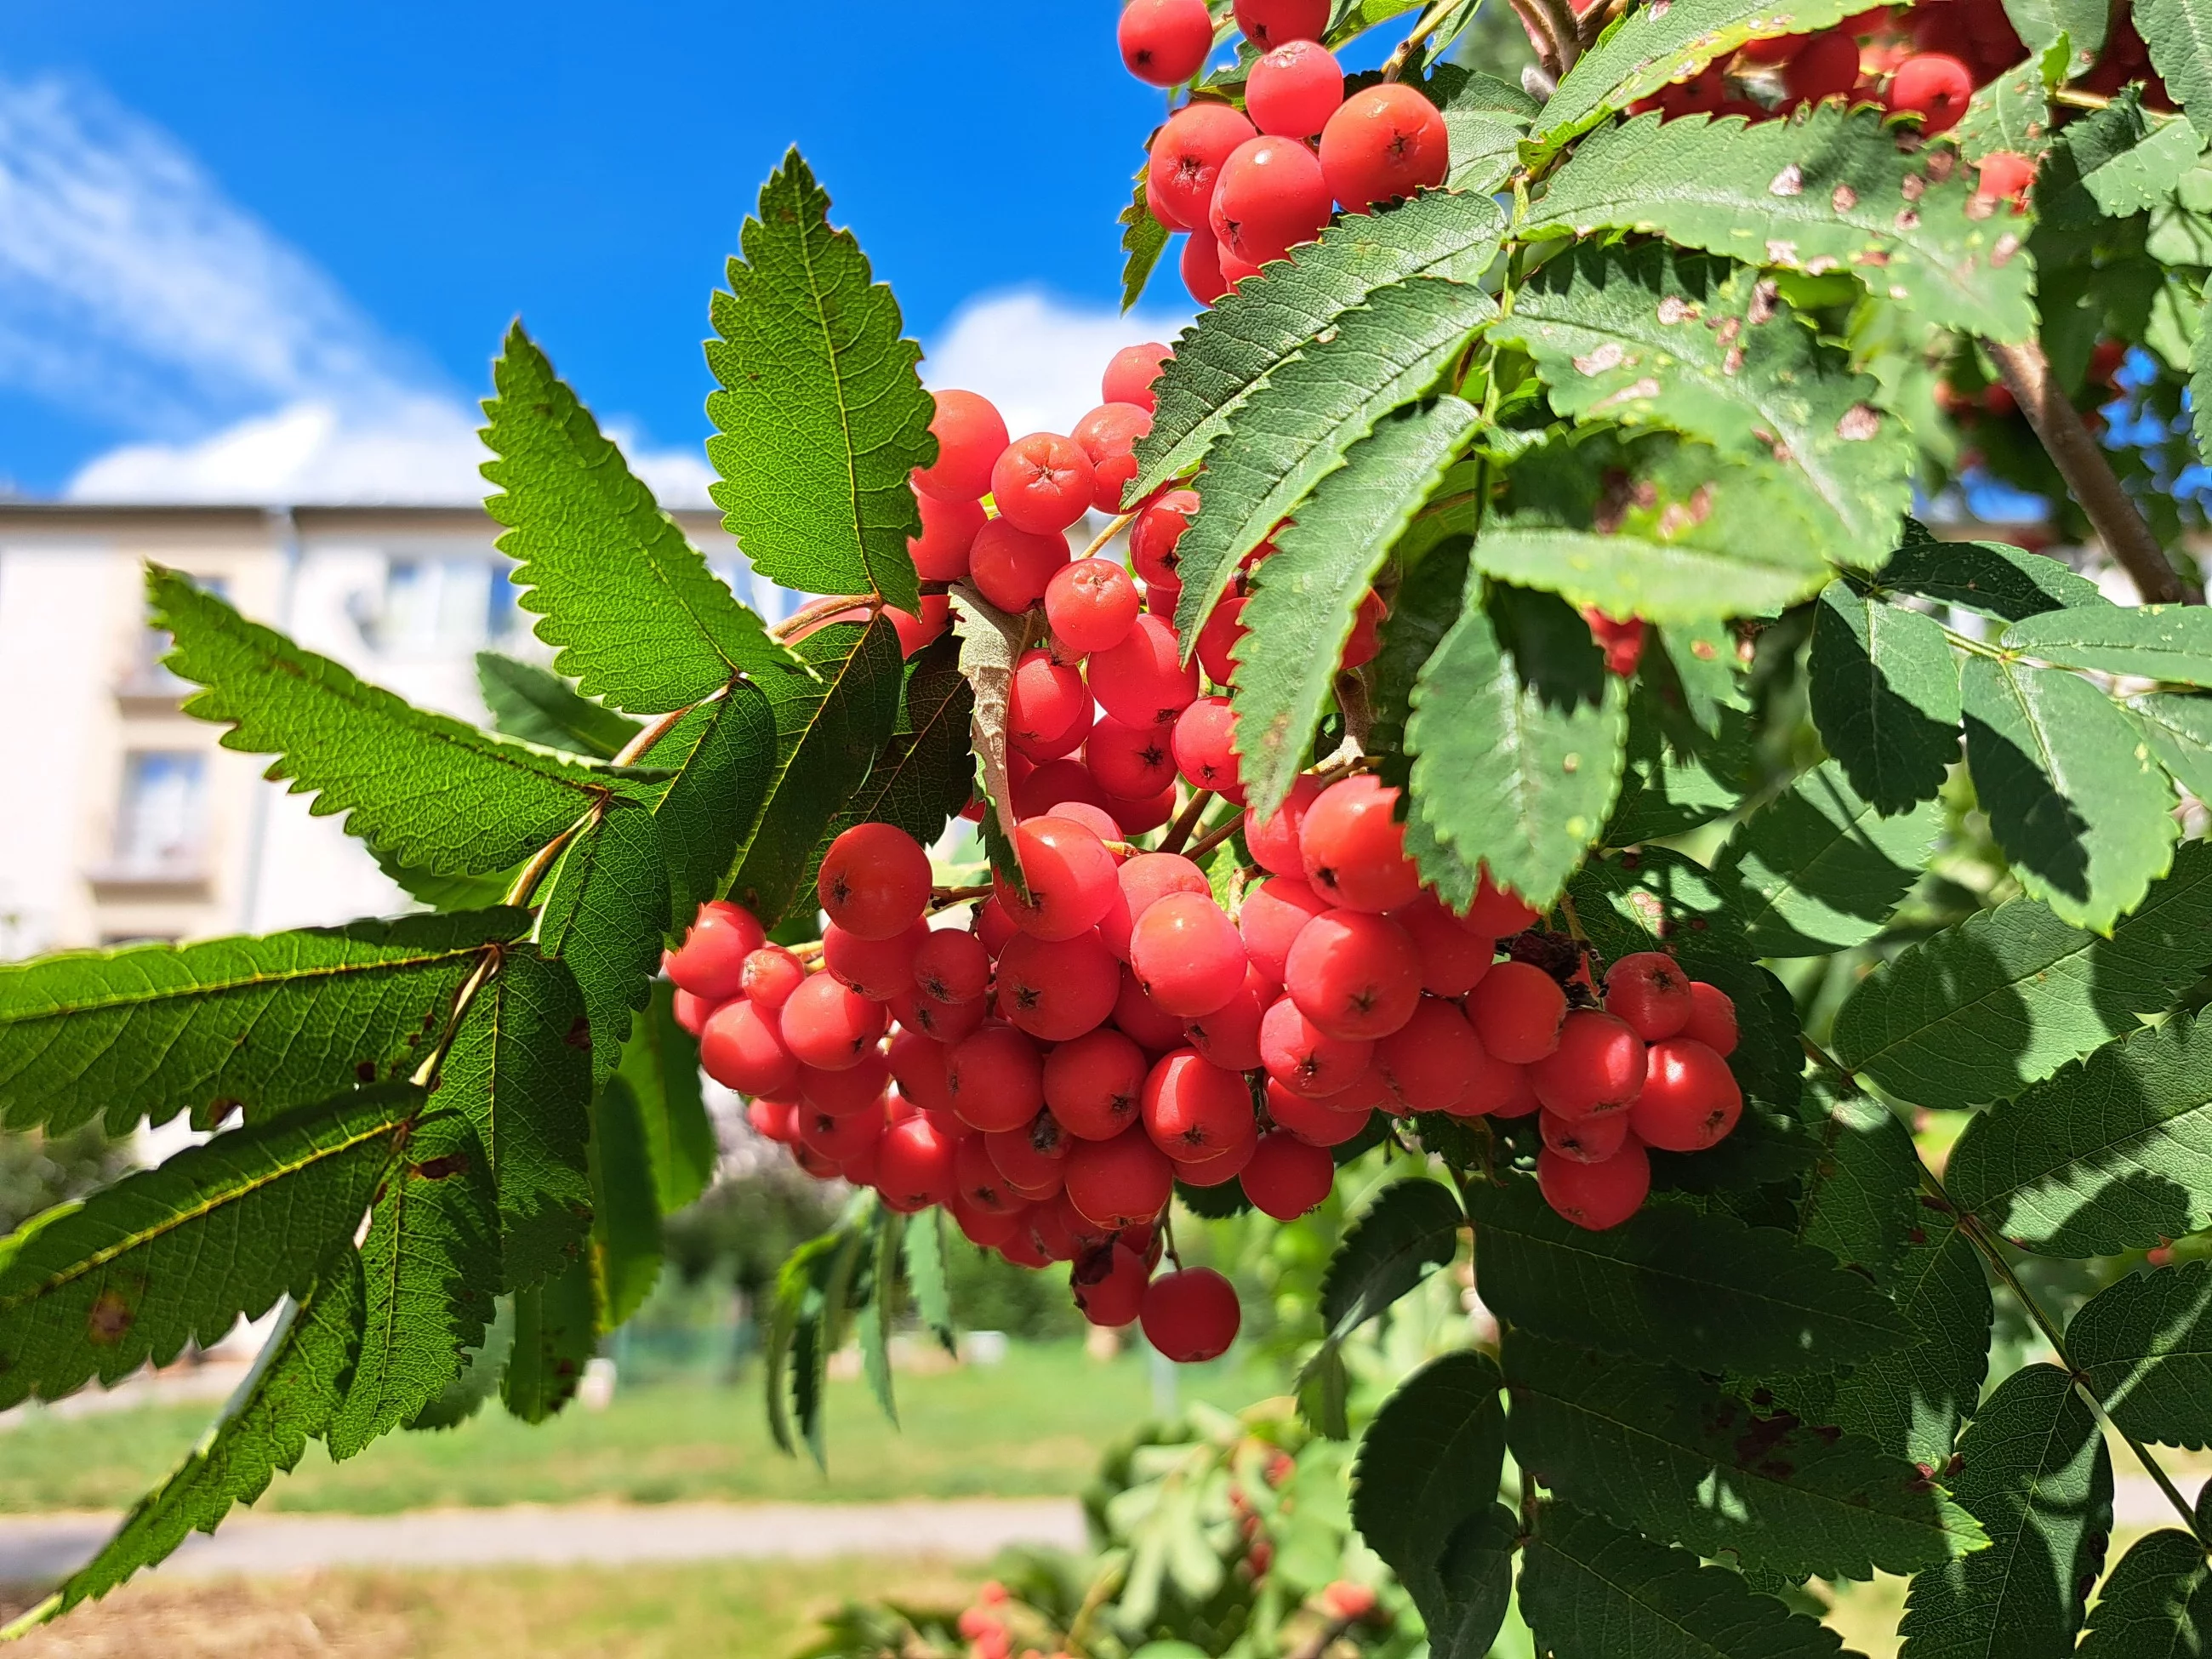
<point>814,611</point>
<point>2089,475</point>
<point>1179,831</point>
<point>1217,836</point>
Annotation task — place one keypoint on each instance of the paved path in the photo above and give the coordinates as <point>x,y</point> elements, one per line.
<point>38,1548</point>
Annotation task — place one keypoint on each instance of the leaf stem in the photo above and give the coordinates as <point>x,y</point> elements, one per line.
<point>1113,529</point>
<point>658,727</point>
<point>1186,821</point>
<point>1220,833</point>
<point>1424,26</point>
<point>814,610</point>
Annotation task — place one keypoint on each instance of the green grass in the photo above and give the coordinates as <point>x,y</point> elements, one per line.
<point>1034,1425</point>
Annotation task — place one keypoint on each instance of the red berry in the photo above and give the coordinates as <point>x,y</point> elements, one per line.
<point>1166,42</point>
<point>1585,1139</point>
<point>919,1062</point>
<point>1093,1084</point>
<point>1153,536</point>
<point>1690,1100</point>
<point>1355,976</point>
<point>1193,1109</point>
<point>1236,270</point>
<point>948,531</point>
<point>1131,762</point>
<point>1144,1020</point>
<point>1057,989</point>
<point>1187,954</point>
<point>775,1120</point>
<point>1031,1154</point>
<point>1430,1061</point>
<point>874,881</point>
<point>1143,681</point>
<point>1143,881</point>
<point>1826,66</point>
<point>946,1022</point>
<point>1274,840</point>
<point>771,973</point>
<point>1595,1195</point>
<point>1132,370</point>
<point>1366,637</point>
<point>1650,992</point>
<point>913,1166</point>
<point>814,1163</point>
<point>1318,1122</point>
<point>1270,23</point>
<point>1286,1177</point>
<point>1048,708</point>
<point>981,1182</point>
<point>996,1079</point>
<point>986,1229</point>
<point>1118,1182</point>
<point>711,961</point>
<point>691,1011</point>
<point>1621,641</point>
<point>1108,437</point>
<point>1200,267</point>
<point>1498,913</point>
<point>1011,567</point>
<point>1453,960</point>
<point>1138,817</point>
<point>952,966</point>
<point>1305,1060</point>
<point>879,970</point>
<point>2004,174</point>
<point>1386,141</point>
<point>971,435</point>
<point>740,1048</point>
<point>1190,1316</point>
<point>1934,86</point>
<point>841,1094</point>
<point>1293,89</point>
<point>1091,604</point>
<point>840,1136</point>
<point>1216,640</point>
<point>1713,1018</point>
<point>1775,49</point>
<point>1229,1036</point>
<point>1516,1011</point>
<point>1270,198</point>
<point>1109,1283</point>
<point>1354,850</point>
<point>1045,790</point>
<point>1069,875</point>
<point>1598,1066</point>
<point>1042,484</point>
<point>1496,1088</point>
<point>829,1027</point>
<point>1205,744</point>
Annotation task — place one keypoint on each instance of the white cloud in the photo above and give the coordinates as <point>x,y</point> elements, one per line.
<point>1036,357</point>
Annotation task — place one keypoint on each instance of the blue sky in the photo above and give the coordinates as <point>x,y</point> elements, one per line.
<point>382,187</point>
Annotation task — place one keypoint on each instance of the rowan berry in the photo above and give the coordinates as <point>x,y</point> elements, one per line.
<point>1200,267</point>
<point>1598,1196</point>
<point>987,1229</point>
<point>1190,1316</point>
<point>1138,817</point>
<point>1774,49</point>
<point>874,881</point>
<point>1353,974</point>
<point>945,1022</point>
<point>1268,23</point>
<point>1825,66</point>
<point>829,1026</point>
<point>1453,960</point>
<point>1144,1020</point>
<point>1935,86</point>
<point>1354,849</point>
<point>1131,372</point>
<point>1286,1177</point>
<point>1270,198</point>
<point>1598,1066</point>
<point>948,531</point>
<point>1108,1284</point>
<point>980,1181</point>
<point>1304,1059</point>
<point>1042,484</point>
<point>1650,990</point>
<point>1118,1182</point>
<point>879,969</point>
<point>971,436</point>
<point>691,1012</point>
<point>1217,638</point>
<point>1193,1109</point>
<point>1205,744</point>
<point>1143,681</point>
<point>1365,640</point>
<point>1293,89</point>
<point>1131,762</point>
<point>1029,1155</point>
<point>1274,840</point>
<point>1143,881</point>
<point>840,1136</point>
<point>1048,708</point>
<point>1108,437</point>
<point>841,1094</point>
<point>1166,42</point>
<point>1094,1082</point>
<point>913,1166</point>
<point>1690,1100</point>
<point>1386,141</point>
<point>814,1163</point>
<point>1229,1036</point>
<point>1091,604</point>
<point>711,962</point>
<point>741,1048</point>
<point>952,966</point>
<point>1713,1018</point>
<point>1187,954</point>
<point>775,1120</point>
<point>1042,792</point>
<point>918,1062</point>
<point>1057,989</point>
<point>1585,1139</point>
<point>1430,1061</point>
<point>1622,641</point>
<point>1318,1122</point>
<point>1011,567</point>
<point>1155,533</point>
<point>1069,875</point>
<point>1517,1009</point>
<point>995,1077</point>
<point>1496,1088</point>
<point>768,977</point>
<point>1497,913</point>
<point>2005,174</point>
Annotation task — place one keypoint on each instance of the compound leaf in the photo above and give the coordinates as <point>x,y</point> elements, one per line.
<point>723,754</point>
<point>1819,868</point>
<point>1410,1230</point>
<point>1144,239</point>
<point>1910,1401</point>
<point>2145,1344</point>
<point>1475,1585</point>
<point>2156,1605</point>
<point>927,771</point>
<point>2179,730</point>
<point>606,910</point>
<point>1885,695</point>
<point>478,1379</point>
<point>2179,35</point>
<point>537,706</point>
<point>1862,1195</point>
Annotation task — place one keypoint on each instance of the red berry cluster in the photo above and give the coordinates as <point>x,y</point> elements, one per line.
<point>1250,185</point>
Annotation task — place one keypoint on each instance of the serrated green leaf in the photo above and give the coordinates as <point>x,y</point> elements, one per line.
<point>1673,776</point>
<point>822,416</point>
<point>2011,112</point>
<point>557,1331</point>
<point>537,706</point>
<point>926,772</point>
<point>2110,1154</point>
<point>2044,23</point>
<point>1658,1450</point>
<point>636,616</point>
<point>1861,1196</point>
<point>2179,35</point>
<point>267,1024</point>
<point>519,1070</point>
<point>1993,578</point>
<point>1475,1585</point>
<point>723,754</point>
<point>660,1063</point>
<point>1828,193</point>
<point>2112,163</point>
<point>1646,336</point>
<point>1299,614</point>
<point>1144,239</point>
<point>448,894</point>
<point>1484,120</point>
<point>606,910</point>
<point>2156,1605</point>
<point>2076,799</point>
<point>429,1264</point>
<point>1981,1010</point>
<point>1709,672</point>
<point>175,1254</point>
<point>1427,603</point>
<point>1675,1284</point>
<point>1885,695</point>
<point>626,1240</point>
<point>923,1250</point>
<point>2170,642</point>
<point>1516,733</point>
<point>1590,1591</point>
<point>1236,345</point>
<point>1912,1402</point>
<point>1295,429</point>
<point>2033,1470</point>
<point>284,1401</point>
<point>2179,730</point>
<point>482,1367</point>
<point>1651,899</point>
<point>433,793</point>
<point>1820,869</point>
<point>1430,1460</point>
<point>2145,1344</point>
<point>822,764</point>
<point>2200,384</point>
<point>875,1324</point>
<point>1409,1230</point>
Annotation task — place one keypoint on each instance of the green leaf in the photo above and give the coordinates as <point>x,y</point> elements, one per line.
<point>636,616</point>
<point>1820,869</point>
<point>2043,23</point>
<point>1912,1401</point>
<point>2156,1605</point>
<point>2200,387</point>
<point>430,1263</point>
<point>723,754</point>
<point>1885,695</point>
<point>1516,733</point>
<point>1238,344</point>
<point>1294,429</point>
<point>174,1254</point>
<point>2110,1154</point>
<point>2075,798</point>
<point>2034,1472</point>
<point>821,415</point>
<point>267,1023</point>
<point>1828,193</point>
<point>1656,1450</point>
<point>557,1331</point>
<point>2112,163</point>
<point>1144,239</point>
<point>2179,35</point>
<point>822,764</point>
<point>1591,1592</point>
<point>1977,1012</point>
<point>1475,1585</point>
<point>606,910</point>
<point>2170,642</point>
<point>520,1071</point>
<point>1646,336</point>
<point>1994,578</point>
<point>537,706</point>
<point>660,1063</point>
<point>626,1236</point>
<point>432,792</point>
<point>926,772</point>
<point>1673,776</point>
<point>1409,1230</point>
<point>449,893</point>
<point>478,1379</point>
<point>2145,1344</point>
<point>1299,615</point>
<point>1651,899</point>
<point>2179,730</point>
<point>1427,603</point>
<point>1485,121</point>
<point>1861,1196</point>
<point>1672,1283</point>
<point>923,1250</point>
<point>1430,1460</point>
<point>2012,111</point>
<point>284,1401</point>
<point>875,1324</point>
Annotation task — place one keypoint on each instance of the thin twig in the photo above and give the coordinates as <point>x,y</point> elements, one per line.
<point>1186,821</point>
<point>1424,26</point>
<point>1219,835</point>
<point>1112,530</point>
<point>816,610</point>
<point>658,727</point>
<point>1566,29</point>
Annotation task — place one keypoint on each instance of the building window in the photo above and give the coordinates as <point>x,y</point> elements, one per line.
<point>437,607</point>
<point>160,823</point>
